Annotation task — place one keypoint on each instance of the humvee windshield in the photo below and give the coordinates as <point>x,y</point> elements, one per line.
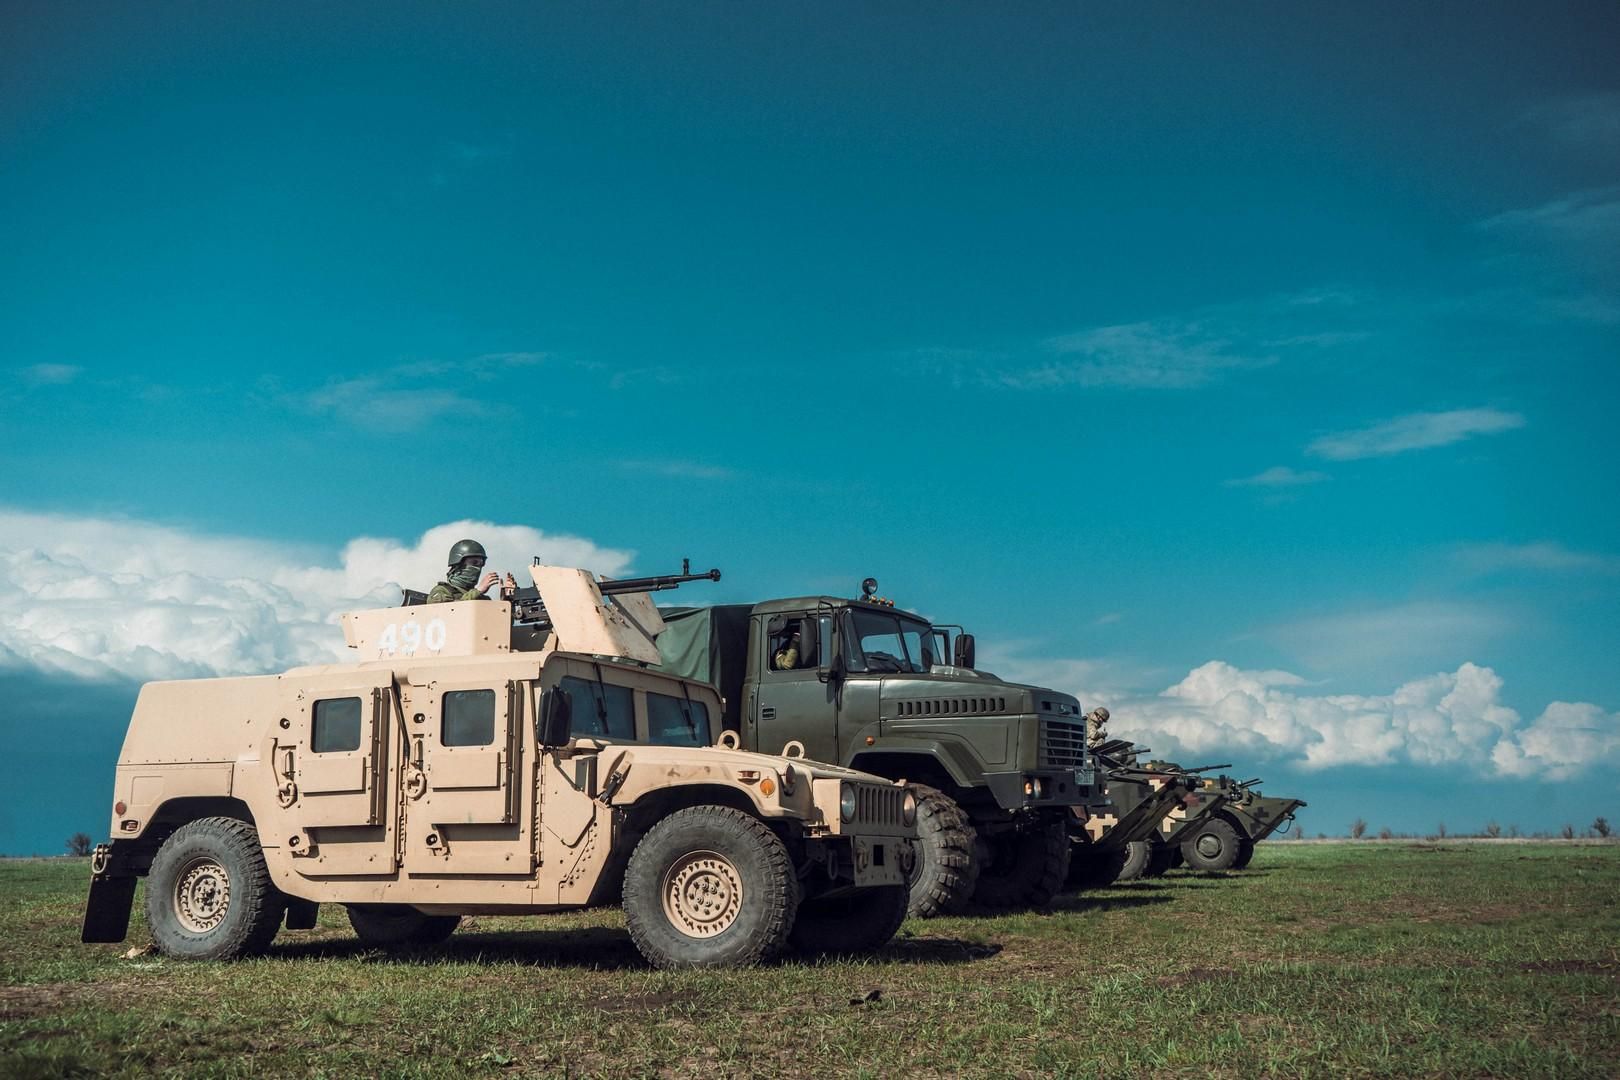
<point>606,710</point>
<point>883,641</point>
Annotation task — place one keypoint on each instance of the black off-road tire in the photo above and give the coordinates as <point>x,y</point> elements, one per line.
<point>1245,853</point>
<point>209,895</point>
<point>1023,869</point>
<point>703,869</point>
<point>1091,867</point>
<point>400,926</point>
<point>1160,855</point>
<point>1138,853</point>
<point>861,922</point>
<point>1214,847</point>
<point>1176,859</point>
<point>945,870</point>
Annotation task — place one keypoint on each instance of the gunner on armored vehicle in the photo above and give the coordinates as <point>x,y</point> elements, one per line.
<point>462,581</point>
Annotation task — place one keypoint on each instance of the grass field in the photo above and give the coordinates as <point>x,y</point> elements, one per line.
<point>1320,960</point>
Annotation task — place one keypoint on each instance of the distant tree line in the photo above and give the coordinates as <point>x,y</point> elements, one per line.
<point>1599,830</point>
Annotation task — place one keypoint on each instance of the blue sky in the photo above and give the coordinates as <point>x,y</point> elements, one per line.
<point>1259,354</point>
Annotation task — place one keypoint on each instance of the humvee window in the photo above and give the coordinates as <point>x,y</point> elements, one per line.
<point>601,709</point>
<point>673,721</point>
<point>335,726</point>
<point>469,718</point>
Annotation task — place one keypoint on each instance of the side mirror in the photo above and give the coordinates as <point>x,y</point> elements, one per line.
<point>965,654</point>
<point>556,718</point>
<point>835,672</point>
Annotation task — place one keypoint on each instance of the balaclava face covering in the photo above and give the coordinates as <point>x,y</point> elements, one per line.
<point>464,576</point>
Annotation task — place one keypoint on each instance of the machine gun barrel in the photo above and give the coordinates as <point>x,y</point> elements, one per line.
<point>1206,768</point>
<point>1250,783</point>
<point>529,610</point>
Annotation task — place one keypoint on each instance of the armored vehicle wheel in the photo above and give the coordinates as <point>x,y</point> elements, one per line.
<point>1023,869</point>
<point>1091,868</point>
<point>861,922</point>
<point>1137,853</point>
<point>1214,847</point>
<point>397,925</point>
<point>945,870</point>
<point>209,895</point>
<point>1245,853</point>
<point>1159,856</point>
<point>709,886</point>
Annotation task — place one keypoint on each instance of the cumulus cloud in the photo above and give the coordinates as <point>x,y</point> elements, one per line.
<point>1415,431</point>
<point>1448,720</point>
<point>103,598</point>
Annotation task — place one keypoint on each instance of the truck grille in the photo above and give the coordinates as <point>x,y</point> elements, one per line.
<point>877,805</point>
<point>1063,745</point>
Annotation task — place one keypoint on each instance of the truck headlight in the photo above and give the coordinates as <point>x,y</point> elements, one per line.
<point>846,801</point>
<point>790,779</point>
<point>908,809</point>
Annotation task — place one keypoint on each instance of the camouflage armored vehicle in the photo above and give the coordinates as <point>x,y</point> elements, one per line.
<point>1225,840</point>
<point>1147,801</point>
<point>463,765</point>
<point>996,767</point>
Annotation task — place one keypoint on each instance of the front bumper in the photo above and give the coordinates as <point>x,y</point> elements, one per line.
<point>861,861</point>
<point>1032,789</point>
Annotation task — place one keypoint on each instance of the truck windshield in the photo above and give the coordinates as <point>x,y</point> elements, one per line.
<point>888,641</point>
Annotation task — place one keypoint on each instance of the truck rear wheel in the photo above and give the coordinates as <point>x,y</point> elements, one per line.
<point>945,870</point>
<point>1214,847</point>
<point>392,926</point>
<point>1245,853</point>
<point>861,922</point>
<point>209,895</point>
<point>709,886</point>
<point>1025,868</point>
<point>1094,868</point>
<point>1137,854</point>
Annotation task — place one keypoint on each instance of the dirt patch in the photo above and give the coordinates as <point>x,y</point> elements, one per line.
<point>637,1003</point>
<point>27,1002</point>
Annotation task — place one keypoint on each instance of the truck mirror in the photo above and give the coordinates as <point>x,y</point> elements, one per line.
<point>833,673</point>
<point>556,718</point>
<point>807,640</point>
<point>964,651</point>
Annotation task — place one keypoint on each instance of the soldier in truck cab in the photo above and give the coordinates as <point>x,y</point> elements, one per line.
<point>788,649</point>
<point>462,581</point>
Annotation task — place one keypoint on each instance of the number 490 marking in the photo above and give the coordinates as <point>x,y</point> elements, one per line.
<point>404,639</point>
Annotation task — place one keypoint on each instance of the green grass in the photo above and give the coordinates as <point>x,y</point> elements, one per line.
<point>1321,960</point>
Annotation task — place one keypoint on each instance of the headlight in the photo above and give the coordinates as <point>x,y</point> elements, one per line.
<point>908,809</point>
<point>846,801</point>
<point>790,779</point>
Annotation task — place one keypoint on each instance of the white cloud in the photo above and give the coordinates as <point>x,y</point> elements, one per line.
<point>1452,719</point>
<point>1580,215</point>
<point>101,597</point>
<point>1543,555</point>
<point>1154,356</point>
<point>1279,476</point>
<point>50,374</point>
<point>683,470</point>
<point>1370,637</point>
<point>372,403</point>
<point>1415,431</point>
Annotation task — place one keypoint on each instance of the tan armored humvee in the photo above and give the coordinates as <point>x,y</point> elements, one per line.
<point>464,765</point>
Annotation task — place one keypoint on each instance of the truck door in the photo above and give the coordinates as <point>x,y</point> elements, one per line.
<point>335,762</point>
<point>789,700</point>
<point>462,778</point>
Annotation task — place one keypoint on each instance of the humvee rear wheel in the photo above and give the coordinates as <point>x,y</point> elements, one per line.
<point>1215,847</point>
<point>209,895</point>
<point>861,922</point>
<point>391,926</point>
<point>1137,854</point>
<point>1245,853</point>
<point>1090,868</point>
<point>1025,868</point>
<point>944,872</point>
<point>709,886</point>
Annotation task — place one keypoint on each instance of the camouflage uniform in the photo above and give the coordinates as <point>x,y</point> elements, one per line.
<point>787,659</point>
<point>445,593</point>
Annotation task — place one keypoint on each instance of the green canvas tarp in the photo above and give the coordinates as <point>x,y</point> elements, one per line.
<point>709,644</point>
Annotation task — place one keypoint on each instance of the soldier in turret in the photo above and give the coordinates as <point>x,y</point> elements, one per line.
<point>462,581</point>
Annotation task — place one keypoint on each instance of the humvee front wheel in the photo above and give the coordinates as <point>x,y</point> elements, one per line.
<point>860,922</point>
<point>209,895</point>
<point>945,870</point>
<point>392,926</point>
<point>1215,847</point>
<point>1025,868</point>
<point>709,886</point>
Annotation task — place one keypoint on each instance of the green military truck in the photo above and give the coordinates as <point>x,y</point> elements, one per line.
<point>997,767</point>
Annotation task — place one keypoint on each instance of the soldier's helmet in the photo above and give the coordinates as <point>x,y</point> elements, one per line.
<point>465,549</point>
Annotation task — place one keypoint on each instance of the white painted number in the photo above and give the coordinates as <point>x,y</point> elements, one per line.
<point>406,638</point>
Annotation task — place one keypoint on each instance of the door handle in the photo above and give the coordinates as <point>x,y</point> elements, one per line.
<point>287,762</point>
<point>416,751</point>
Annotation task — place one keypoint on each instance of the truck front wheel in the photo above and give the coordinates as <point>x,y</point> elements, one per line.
<point>945,870</point>
<point>861,922</point>
<point>392,926</point>
<point>1025,868</point>
<point>209,895</point>
<point>1215,847</point>
<point>709,886</point>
